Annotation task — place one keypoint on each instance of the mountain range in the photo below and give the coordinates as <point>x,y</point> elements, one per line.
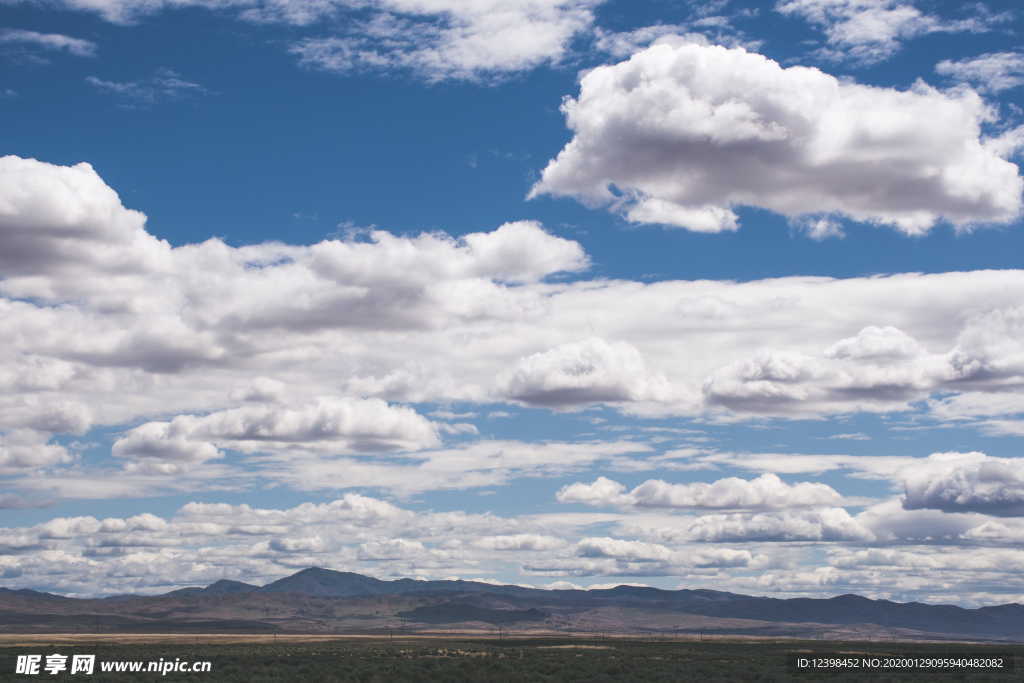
<point>317,600</point>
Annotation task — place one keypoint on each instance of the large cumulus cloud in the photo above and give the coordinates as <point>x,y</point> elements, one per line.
<point>63,218</point>
<point>682,133</point>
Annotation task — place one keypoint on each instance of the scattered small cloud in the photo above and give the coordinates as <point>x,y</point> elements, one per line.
<point>992,72</point>
<point>871,31</point>
<point>54,42</point>
<point>854,436</point>
<point>164,85</point>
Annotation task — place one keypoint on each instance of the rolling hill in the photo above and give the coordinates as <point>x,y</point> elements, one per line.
<point>323,600</point>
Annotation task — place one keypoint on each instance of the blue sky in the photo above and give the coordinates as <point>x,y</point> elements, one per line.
<point>551,292</point>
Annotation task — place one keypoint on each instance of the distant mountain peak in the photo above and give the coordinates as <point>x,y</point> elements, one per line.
<point>326,582</point>
<point>230,586</point>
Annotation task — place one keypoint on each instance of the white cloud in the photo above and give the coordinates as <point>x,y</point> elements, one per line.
<point>1002,427</point>
<point>164,447</point>
<point>1007,144</point>
<point>990,349</point>
<point>333,425</point>
<point>681,134</point>
<point>882,343</point>
<point>967,482</point>
<point>581,373</point>
<point>781,383</point>
<point>627,550</point>
<point>924,558</point>
<point>105,325</point>
<point>892,523</point>
<point>879,369</point>
<point>436,39</point>
<point>991,72</point>
<point>973,404</point>
<point>826,524</point>
<point>27,448</point>
<point>519,542</point>
<point>624,43</point>
<point>517,252</point>
<point>444,39</point>
<point>765,492</point>
<point>820,228</point>
<point>611,556</point>
<point>851,436</point>
<point>870,31</point>
<point>601,492</point>
<point>49,41</point>
<point>472,465</point>
<point>65,217</point>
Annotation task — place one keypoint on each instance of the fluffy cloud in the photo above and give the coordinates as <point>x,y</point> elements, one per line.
<point>329,424</point>
<point>990,350</point>
<point>627,550</point>
<point>164,446</point>
<point>515,252</point>
<point>967,482</point>
<point>49,41</point>
<point>764,492</point>
<point>767,491</point>
<point>134,328</point>
<point>877,369</point>
<point>65,217</point>
<point>106,325</point>
<point>519,542</point>
<point>828,524</point>
<point>890,522</point>
<point>28,448</point>
<point>888,343</point>
<point>613,556</point>
<point>602,491</point>
<point>682,133</point>
<point>591,371</point>
<point>870,31</point>
<point>990,72</point>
